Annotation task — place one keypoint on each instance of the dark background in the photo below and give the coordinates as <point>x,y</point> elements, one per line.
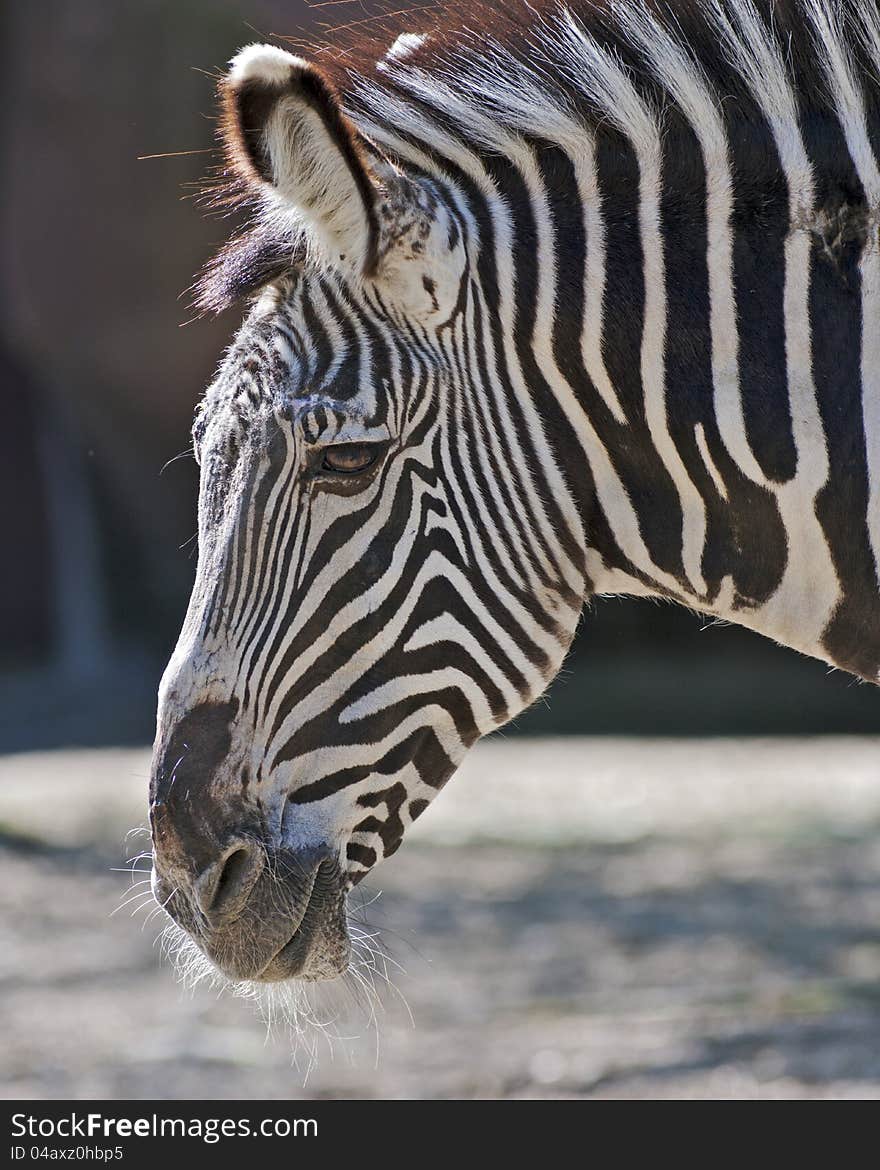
<point>99,376</point>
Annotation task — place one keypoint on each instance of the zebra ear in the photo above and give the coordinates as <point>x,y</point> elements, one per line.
<point>285,130</point>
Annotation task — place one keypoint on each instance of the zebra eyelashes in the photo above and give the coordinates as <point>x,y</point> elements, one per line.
<point>349,458</point>
<point>339,448</point>
<point>346,467</point>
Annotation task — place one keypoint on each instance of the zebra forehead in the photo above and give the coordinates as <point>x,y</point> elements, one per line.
<point>300,349</point>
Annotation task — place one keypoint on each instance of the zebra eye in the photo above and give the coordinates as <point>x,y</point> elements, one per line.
<point>350,458</point>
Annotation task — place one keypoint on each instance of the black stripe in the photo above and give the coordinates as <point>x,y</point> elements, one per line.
<point>761,225</point>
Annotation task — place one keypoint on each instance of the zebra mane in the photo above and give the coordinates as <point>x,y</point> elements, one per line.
<point>554,46</point>
<point>488,74</point>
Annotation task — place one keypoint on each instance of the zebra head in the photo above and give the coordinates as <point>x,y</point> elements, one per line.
<point>382,579</point>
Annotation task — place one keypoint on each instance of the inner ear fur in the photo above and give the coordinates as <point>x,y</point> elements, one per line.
<point>284,130</point>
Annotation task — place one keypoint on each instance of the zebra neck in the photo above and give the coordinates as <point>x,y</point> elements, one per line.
<point>705,365</point>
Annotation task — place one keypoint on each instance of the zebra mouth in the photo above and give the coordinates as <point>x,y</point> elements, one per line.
<point>319,946</point>
<point>293,929</point>
<point>293,957</point>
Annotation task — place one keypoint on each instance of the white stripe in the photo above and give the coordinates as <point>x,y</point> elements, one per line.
<point>705,455</point>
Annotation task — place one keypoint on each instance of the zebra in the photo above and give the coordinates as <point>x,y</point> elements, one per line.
<point>544,302</point>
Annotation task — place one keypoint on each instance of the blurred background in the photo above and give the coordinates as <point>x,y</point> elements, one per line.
<point>100,371</point>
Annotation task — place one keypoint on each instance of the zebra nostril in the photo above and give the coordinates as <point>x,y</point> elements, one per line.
<point>223,888</point>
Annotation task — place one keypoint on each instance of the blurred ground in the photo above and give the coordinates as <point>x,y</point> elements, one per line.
<point>576,918</point>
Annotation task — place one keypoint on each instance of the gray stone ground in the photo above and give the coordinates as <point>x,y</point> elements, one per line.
<point>578,919</point>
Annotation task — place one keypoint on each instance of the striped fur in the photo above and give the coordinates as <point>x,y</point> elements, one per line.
<point>601,286</point>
